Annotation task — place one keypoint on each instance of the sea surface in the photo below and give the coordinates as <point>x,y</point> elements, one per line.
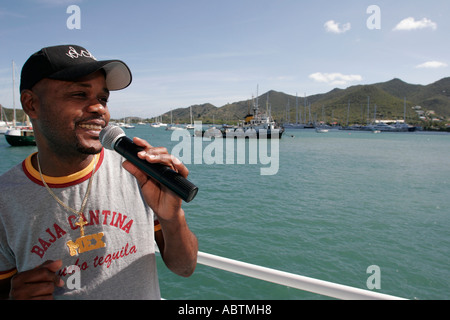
<point>337,203</point>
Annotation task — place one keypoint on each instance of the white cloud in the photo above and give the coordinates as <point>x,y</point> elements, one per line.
<point>432,65</point>
<point>334,78</point>
<point>411,24</point>
<point>335,27</point>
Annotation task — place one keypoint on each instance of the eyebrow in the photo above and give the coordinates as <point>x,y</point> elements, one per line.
<point>87,85</point>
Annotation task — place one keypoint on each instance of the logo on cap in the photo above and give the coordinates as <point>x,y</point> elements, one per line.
<point>84,53</point>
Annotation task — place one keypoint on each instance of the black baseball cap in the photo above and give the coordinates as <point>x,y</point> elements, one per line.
<point>69,63</point>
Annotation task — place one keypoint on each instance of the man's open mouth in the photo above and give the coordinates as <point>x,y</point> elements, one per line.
<point>91,127</point>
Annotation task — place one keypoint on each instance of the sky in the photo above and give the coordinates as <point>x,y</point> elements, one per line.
<point>186,52</point>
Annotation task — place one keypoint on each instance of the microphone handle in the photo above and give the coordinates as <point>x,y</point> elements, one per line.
<point>161,173</point>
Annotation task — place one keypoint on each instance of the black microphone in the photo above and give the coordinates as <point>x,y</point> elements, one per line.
<point>114,138</point>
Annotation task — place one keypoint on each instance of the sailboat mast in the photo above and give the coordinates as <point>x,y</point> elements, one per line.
<point>255,110</point>
<point>348,110</point>
<point>309,106</point>
<point>375,114</point>
<point>404,110</point>
<point>13,92</point>
<point>305,109</point>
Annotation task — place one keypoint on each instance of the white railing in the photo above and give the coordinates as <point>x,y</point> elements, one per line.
<point>325,288</point>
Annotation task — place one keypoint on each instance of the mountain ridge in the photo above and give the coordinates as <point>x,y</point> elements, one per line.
<point>356,103</point>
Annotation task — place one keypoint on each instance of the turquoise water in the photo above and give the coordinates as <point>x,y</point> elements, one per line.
<point>339,203</point>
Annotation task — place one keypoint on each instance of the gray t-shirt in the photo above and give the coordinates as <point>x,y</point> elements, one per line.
<point>116,254</point>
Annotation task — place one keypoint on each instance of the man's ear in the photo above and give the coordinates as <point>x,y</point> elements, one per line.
<point>29,102</point>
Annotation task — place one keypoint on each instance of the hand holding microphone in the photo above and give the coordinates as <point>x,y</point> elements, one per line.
<point>114,138</point>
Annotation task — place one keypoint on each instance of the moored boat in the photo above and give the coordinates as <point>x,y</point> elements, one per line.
<point>20,136</point>
<point>258,125</point>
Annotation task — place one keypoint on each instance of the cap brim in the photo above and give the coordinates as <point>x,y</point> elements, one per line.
<point>118,75</point>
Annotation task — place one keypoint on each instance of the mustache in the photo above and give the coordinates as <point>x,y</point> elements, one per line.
<point>96,119</point>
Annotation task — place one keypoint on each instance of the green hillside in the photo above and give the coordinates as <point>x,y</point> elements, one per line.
<point>9,113</point>
<point>356,104</point>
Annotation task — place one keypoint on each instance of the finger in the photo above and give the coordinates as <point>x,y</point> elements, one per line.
<point>180,167</point>
<point>167,159</point>
<point>153,151</point>
<point>45,272</point>
<point>136,172</point>
<point>53,267</point>
<point>142,143</point>
<point>41,290</point>
<point>161,158</point>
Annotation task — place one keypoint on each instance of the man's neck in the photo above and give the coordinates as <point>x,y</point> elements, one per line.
<point>60,166</point>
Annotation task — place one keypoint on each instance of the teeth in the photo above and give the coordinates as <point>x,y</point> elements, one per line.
<point>91,126</point>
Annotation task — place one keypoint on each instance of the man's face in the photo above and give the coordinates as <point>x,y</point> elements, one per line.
<point>72,114</point>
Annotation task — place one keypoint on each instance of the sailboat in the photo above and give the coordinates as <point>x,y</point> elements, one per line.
<point>172,126</point>
<point>190,126</point>
<point>258,122</point>
<point>4,124</point>
<point>155,124</point>
<point>128,125</point>
<point>258,125</point>
<point>19,135</point>
<point>158,123</point>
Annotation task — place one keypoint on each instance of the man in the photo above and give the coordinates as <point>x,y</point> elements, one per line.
<point>74,206</point>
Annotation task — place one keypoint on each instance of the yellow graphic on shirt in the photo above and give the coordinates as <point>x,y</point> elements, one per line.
<point>86,243</point>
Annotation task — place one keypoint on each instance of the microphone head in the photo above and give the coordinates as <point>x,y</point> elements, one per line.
<point>109,135</point>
